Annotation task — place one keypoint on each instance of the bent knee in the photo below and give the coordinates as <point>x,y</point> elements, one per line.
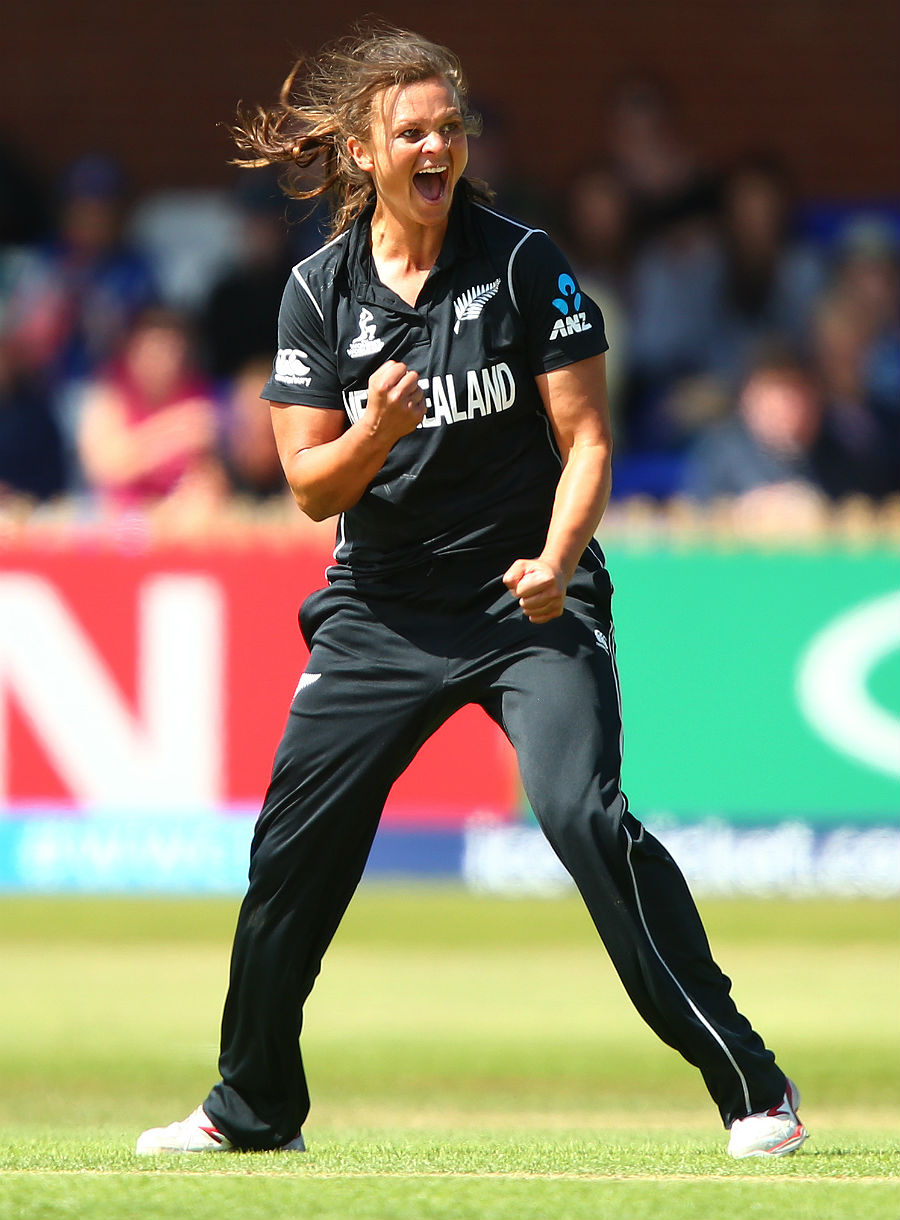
<point>589,820</point>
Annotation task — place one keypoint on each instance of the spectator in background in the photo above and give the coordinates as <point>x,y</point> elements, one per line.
<point>236,322</point>
<point>24,205</point>
<point>598,225</point>
<point>674,323</point>
<point>31,456</point>
<point>73,311</point>
<point>779,447</point>
<point>149,425</point>
<point>866,281</point>
<point>767,281</point>
<point>73,303</point>
<point>707,293</point>
<point>491,160</point>
<point>248,442</point>
<point>672,200</point>
<point>653,158</point>
<point>841,340</point>
<point>598,239</point>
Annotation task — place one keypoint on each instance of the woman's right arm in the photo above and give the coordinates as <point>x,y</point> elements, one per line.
<point>327,465</point>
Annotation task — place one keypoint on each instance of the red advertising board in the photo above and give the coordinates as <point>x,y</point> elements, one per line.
<point>137,677</point>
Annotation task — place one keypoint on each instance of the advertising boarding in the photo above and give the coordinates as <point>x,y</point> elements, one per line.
<point>143,691</point>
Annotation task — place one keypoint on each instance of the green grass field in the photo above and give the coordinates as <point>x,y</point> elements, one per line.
<point>470,1058</point>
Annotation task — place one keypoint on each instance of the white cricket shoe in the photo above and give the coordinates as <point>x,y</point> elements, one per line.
<point>194,1134</point>
<point>772,1132</point>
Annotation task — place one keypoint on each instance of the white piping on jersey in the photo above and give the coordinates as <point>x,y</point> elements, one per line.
<point>509,269</point>
<point>340,540</point>
<point>593,546</point>
<point>615,674</point>
<point>527,232</point>
<point>326,246</point>
<point>295,271</point>
<point>519,244</point>
<point>551,440</point>
<point>306,288</point>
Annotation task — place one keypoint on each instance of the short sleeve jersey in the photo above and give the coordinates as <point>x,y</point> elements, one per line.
<point>500,306</point>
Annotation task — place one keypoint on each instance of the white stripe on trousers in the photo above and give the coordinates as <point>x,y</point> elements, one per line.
<point>637,897</point>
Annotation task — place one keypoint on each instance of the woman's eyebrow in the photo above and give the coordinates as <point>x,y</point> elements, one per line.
<point>401,121</point>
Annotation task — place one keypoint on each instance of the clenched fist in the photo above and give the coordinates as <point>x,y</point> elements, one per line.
<point>396,404</point>
<point>539,587</point>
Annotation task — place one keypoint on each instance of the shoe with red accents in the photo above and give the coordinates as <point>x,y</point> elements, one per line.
<point>774,1132</point>
<point>196,1133</point>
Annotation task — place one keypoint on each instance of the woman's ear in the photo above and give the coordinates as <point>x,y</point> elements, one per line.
<point>360,154</point>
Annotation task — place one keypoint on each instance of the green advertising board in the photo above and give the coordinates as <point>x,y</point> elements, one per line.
<point>760,687</point>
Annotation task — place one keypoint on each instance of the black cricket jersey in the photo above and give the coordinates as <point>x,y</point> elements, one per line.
<point>500,306</point>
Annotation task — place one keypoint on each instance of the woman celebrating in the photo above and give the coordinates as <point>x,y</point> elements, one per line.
<point>439,384</point>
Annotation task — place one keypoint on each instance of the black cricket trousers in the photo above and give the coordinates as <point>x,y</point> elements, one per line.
<point>386,669</point>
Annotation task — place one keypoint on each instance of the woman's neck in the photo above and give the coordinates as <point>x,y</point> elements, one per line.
<point>404,254</point>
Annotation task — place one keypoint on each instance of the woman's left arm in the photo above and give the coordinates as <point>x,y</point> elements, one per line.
<point>575,400</point>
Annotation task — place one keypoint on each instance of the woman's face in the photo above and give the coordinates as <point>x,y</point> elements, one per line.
<point>157,358</point>
<point>416,151</point>
<point>782,410</point>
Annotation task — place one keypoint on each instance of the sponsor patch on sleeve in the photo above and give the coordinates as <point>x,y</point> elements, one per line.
<point>291,367</point>
<point>573,319</point>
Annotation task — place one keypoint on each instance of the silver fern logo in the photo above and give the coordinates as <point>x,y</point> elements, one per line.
<point>470,304</point>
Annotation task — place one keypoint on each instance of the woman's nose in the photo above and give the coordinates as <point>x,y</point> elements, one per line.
<point>435,142</point>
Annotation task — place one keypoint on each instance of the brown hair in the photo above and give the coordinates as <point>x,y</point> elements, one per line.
<point>314,117</point>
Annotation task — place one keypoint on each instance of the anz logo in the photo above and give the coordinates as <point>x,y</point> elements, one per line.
<point>573,320</point>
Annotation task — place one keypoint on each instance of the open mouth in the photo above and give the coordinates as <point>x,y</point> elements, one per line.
<point>431,183</point>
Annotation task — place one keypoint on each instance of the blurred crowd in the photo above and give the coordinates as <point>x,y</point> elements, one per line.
<point>755,337</point>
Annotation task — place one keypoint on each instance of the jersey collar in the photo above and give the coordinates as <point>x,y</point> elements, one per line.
<point>459,242</point>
